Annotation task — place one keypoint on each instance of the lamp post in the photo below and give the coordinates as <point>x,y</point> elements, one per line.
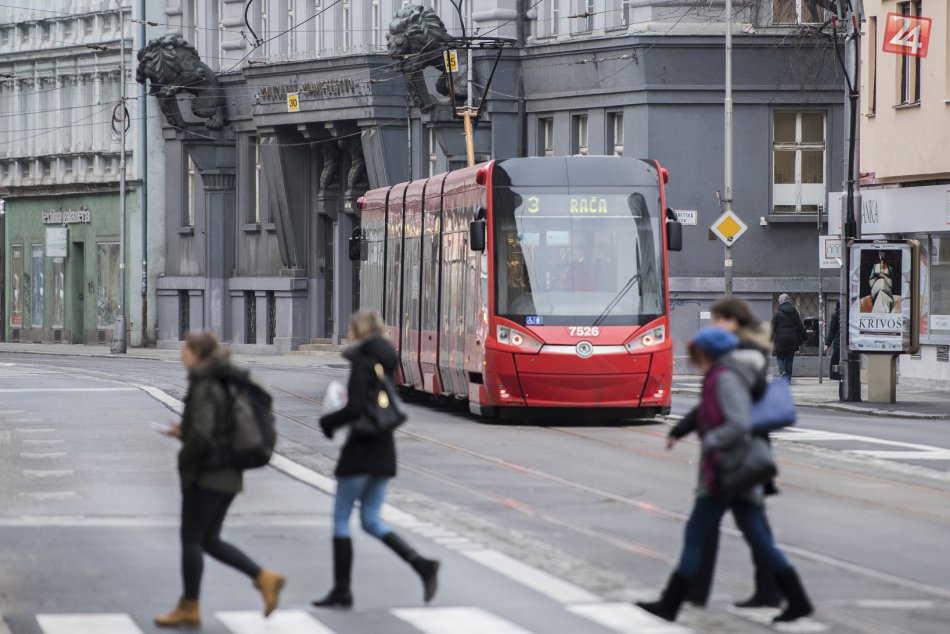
<point>727,201</point>
<point>119,329</point>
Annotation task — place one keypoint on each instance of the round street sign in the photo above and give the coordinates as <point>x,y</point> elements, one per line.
<point>728,227</point>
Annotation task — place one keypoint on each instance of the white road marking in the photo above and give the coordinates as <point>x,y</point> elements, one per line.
<point>765,616</point>
<point>87,624</point>
<point>798,434</point>
<point>32,441</point>
<point>163,397</point>
<point>538,580</point>
<point>37,430</point>
<point>10,411</point>
<point>62,389</point>
<point>86,521</point>
<point>46,454</point>
<point>895,604</point>
<point>457,621</point>
<point>626,619</point>
<point>48,495</point>
<point>939,454</point>
<point>24,420</point>
<point>48,473</point>
<point>280,622</point>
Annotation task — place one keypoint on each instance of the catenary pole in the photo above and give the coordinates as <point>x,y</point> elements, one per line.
<point>728,143</point>
<point>119,337</point>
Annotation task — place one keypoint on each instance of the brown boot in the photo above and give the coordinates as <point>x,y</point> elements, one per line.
<point>270,584</point>
<point>186,614</point>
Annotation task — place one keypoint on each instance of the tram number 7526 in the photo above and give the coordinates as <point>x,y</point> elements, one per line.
<point>583,331</point>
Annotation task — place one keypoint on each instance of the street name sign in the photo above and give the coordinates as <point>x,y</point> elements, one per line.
<point>686,216</point>
<point>728,227</point>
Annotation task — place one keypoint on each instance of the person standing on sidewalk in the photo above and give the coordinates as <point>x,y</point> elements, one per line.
<point>736,316</point>
<point>208,493</point>
<point>366,465</point>
<point>723,425</point>
<point>831,341</point>
<point>788,333</point>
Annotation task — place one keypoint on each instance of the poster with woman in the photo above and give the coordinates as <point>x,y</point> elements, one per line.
<point>882,296</point>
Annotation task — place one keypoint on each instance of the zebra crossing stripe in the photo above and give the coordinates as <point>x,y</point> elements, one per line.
<point>87,624</point>
<point>538,580</point>
<point>457,621</point>
<point>280,622</point>
<point>624,618</point>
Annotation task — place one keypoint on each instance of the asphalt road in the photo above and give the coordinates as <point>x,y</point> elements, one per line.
<point>544,529</point>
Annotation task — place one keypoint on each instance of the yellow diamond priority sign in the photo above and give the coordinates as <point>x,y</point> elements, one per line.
<point>728,227</point>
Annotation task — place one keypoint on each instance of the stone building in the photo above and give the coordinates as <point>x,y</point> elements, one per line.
<point>60,152</point>
<point>259,212</point>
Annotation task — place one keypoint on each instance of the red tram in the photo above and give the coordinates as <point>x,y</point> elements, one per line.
<point>527,283</point>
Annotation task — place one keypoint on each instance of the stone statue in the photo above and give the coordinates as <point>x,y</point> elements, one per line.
<point>356,178</point>
<point>172,65</point>
<point>331,164</point>
<point>416,39</point>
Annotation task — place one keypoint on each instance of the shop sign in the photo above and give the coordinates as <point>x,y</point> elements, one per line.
<point>68,217</point>
<point>829,252</point>
<point>57,242</point>
<point>883,298</point>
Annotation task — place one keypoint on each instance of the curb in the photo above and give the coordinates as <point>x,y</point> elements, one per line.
<point>844,407</point>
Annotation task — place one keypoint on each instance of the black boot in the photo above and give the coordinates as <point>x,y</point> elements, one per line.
<point>672,598</point>
<point>340,596</point>
<point>428,569</point>
<point>798,603</point>
<point>767,593</point>
<point>701,585</point>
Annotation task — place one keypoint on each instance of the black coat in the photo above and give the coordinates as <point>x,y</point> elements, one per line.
<point>788,331</point>
<point>834,328</point>
<point>364,456</point>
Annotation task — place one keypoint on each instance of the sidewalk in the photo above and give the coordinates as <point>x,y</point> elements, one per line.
<point>911,402</point>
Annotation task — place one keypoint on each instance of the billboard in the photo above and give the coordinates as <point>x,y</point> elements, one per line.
<point>882,295</point>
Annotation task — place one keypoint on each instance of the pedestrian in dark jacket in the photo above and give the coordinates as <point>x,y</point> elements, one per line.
<point>736,316</point>
<point>832,340</point>
<point>366,464</point>
<point>788,334</point>
<point>723,426</point>
<point>208,491</point>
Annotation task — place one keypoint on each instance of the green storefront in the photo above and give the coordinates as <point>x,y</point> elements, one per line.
<point>62,267</point>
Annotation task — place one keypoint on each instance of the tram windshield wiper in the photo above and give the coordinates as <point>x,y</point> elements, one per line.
<point>613,303</point>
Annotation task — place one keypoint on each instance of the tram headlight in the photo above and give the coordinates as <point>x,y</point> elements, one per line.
<point>510,337</point>
<point>653,337</point>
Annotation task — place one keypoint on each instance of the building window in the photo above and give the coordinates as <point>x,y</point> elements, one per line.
<point>67,30</point>
<point>26,169</point>
<point>579,135</point>
<point>625,11</point>
<point>37,286</point>
<point>45,32</point>
<point>107,287</point>
<point>908,67</point>
<point>67,165</point>
<point>798,152</point>
<point>796,12</point>
<point>433,153</point>
<point>254,199</point>
<point>872,64</point>
<point>265,28</point>
<point>347,25</point>
<point>5,37</point>
<point>4,172</point>
<point>291,28</point>
<point>87,24</point>
<point>615,133</point>
<point>59,293</point>
<point>546,136</point>
<point>377,18</point>
<point>939,286</point>
<point>24,35</point>
<point>188,218</point>
<point>549,18</point>
<point>583,18</point>
<point>46,168</point>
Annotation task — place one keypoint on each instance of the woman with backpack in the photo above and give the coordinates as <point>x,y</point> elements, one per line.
<point>723,426</point>
<point>207,492</point>
<point>366,464</point>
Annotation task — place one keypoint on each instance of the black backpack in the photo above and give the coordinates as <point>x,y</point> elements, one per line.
<point>246,435</point>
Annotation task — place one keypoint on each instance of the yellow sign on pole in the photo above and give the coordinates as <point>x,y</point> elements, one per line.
<point>451,61</point>
<point>293,102</point>
<point>728,227</point>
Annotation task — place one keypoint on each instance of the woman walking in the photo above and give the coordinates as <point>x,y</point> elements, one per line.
<point>788,333</point>
<point>366,465</point>
<point>736,316</point>
<point>723,427</point>
<point>207,492</point>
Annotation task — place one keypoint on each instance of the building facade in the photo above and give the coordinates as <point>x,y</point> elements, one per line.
<point>259,211</point>
<point>905,186</point>
<point>60,163</point>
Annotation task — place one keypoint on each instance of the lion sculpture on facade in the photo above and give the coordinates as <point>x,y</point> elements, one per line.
<point>416,39</point>
<point>173,66</point>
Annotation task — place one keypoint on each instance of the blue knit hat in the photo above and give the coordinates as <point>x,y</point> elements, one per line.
<point>715,341</point>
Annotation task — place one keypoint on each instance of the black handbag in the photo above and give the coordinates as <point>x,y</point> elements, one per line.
<point>384,411</point>
<point>756,466</point>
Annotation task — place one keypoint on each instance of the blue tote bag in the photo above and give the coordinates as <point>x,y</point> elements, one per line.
<point>775,409</point>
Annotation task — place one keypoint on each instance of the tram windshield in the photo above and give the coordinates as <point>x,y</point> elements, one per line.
<point>583,258</point>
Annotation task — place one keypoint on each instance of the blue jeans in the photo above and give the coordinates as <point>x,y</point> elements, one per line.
<point>370,491</point>
<point>785,361</point>
<point>705,518</point>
